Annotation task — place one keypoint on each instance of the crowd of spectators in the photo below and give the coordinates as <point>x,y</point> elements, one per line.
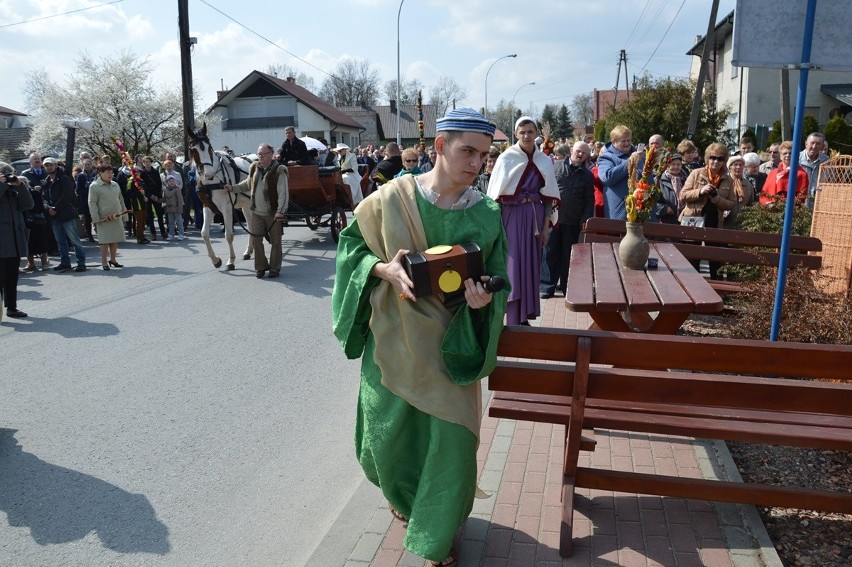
<point>716,187</point>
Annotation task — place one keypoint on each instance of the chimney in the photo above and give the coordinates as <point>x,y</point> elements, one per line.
<point>393,106</point>
<point>291,80</point>
<point>220,94</point>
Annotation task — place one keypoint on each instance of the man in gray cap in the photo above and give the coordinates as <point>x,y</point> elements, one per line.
<point>419,406</point>
<point>60,197</point>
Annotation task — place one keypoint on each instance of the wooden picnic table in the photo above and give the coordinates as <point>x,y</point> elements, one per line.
<point>623,300</point>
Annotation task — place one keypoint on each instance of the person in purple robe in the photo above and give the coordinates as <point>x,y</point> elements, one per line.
<point>524,184</point>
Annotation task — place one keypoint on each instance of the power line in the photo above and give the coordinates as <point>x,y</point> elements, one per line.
<point>652,22</point>
<point>267,40</point>
<point>664,37</point>
<point>62,14</point>
<point>638,22</point>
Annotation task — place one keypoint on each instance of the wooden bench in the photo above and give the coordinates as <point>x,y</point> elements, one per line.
<point>733,390</point>
<point>720,245</point>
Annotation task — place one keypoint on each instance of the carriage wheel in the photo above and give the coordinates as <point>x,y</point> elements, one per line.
<point>313,222</point>
<point>338,222</point>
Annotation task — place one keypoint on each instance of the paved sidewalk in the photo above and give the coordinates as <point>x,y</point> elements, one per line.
<point>520,464</point>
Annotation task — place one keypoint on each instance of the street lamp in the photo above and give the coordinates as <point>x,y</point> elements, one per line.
<point>398,78</point>
<point>486,79</point>
<point>513,105</point>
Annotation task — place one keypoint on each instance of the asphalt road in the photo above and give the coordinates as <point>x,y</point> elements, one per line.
<point>169,413</point>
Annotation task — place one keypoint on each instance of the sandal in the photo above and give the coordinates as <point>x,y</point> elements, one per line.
<point>449,560</point>
<point>397,515</point>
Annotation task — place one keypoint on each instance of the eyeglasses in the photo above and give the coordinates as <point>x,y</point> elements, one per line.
<point>716,158</point>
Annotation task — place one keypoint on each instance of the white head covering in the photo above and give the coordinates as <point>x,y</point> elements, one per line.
<point>341,147</point>
<point>523,119</point>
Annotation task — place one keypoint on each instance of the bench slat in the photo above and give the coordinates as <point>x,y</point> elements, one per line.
<point>563,404</point>
<point>678,388</point>
<point>718,253</point>
<point>715,490</point>
<point>658,352</point>
<point>738,238</point>
<point>795,435</point>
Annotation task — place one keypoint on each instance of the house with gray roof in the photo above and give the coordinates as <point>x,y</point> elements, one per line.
<point>260,106</point>
<point>14,134</point>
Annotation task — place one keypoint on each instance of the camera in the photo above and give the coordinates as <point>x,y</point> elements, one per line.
<point>11,178</point>
<point>713,192</point>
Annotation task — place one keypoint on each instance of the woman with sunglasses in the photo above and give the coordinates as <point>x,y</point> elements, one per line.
<point>709,191</point>
<point>410,161</point>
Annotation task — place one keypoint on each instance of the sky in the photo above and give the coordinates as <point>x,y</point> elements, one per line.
<point>565,47</point>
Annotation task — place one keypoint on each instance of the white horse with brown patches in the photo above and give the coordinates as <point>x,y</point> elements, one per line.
<point>215,170</point>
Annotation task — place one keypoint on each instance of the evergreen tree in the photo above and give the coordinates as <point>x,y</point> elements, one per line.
<point>548,116</point>
<point>839,134</point>
<point>809,124</point>
<point>775,135</point>
<point>564,128</point>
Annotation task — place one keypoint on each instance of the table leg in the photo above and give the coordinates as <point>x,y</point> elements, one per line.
<point>638,322</point>
<point>610,321</point>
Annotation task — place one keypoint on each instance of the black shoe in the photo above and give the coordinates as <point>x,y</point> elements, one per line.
<point>273,274</point>
<point>80,269</point>
<point>115,264</point>
<point>547,295</point>
<point>62,268</point>
<point>105,267</point>
<point>91,238</point>
<point>15,313</point>
<point>143,241</point>
<point>260,274</point>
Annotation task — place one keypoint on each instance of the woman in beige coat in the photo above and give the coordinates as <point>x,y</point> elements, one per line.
<point>708,192</point>
<point>107,209</point>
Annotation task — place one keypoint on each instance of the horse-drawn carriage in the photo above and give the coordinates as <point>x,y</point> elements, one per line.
<point>319,197</point>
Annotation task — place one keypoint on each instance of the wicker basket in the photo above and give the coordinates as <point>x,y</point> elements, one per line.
<point>832,223</point>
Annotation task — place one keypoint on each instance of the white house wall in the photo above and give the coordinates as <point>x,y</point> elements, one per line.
<point>761,102</point>
<point>247,141</point>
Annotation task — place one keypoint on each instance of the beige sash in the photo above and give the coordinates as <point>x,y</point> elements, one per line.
<point>408,335</point>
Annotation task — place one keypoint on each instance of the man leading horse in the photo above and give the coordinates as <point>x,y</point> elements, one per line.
<point>270,195</point>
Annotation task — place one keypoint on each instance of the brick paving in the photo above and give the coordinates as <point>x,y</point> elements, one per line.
<point>520,465</point>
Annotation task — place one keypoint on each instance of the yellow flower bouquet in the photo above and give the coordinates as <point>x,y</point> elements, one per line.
<point>641,200</point>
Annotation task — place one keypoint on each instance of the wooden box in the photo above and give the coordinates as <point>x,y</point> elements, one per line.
<point>443,269</point>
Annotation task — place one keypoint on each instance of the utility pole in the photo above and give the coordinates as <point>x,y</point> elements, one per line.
<point>622,56</point>
<point>702,73</point>
<point>786,129</point>
<point>186,44</point>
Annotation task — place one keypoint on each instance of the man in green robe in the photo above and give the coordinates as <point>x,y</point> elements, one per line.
<point>419,407</point>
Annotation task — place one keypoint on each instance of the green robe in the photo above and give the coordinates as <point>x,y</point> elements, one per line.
<point>419,406</point>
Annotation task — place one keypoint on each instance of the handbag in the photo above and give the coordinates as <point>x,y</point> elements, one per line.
<point>34,219</point>
<point>697,222</point>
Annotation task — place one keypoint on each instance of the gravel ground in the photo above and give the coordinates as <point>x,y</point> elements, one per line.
<point>801,537</point>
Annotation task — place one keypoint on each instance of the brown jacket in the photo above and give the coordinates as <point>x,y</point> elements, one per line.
<point>276,188</point>
<point>693,203</point>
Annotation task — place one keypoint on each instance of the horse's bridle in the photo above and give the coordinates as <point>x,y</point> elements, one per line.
<point>204,145</point>
<point>224,178</point>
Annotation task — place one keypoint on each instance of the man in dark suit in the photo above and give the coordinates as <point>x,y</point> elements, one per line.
<point>390,166</point>
<point>293,150</point>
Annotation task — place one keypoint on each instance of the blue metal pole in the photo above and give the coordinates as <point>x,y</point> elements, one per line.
<point>807,40</point>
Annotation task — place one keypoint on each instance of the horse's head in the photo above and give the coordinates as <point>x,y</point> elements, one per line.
<point>206,160</point>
